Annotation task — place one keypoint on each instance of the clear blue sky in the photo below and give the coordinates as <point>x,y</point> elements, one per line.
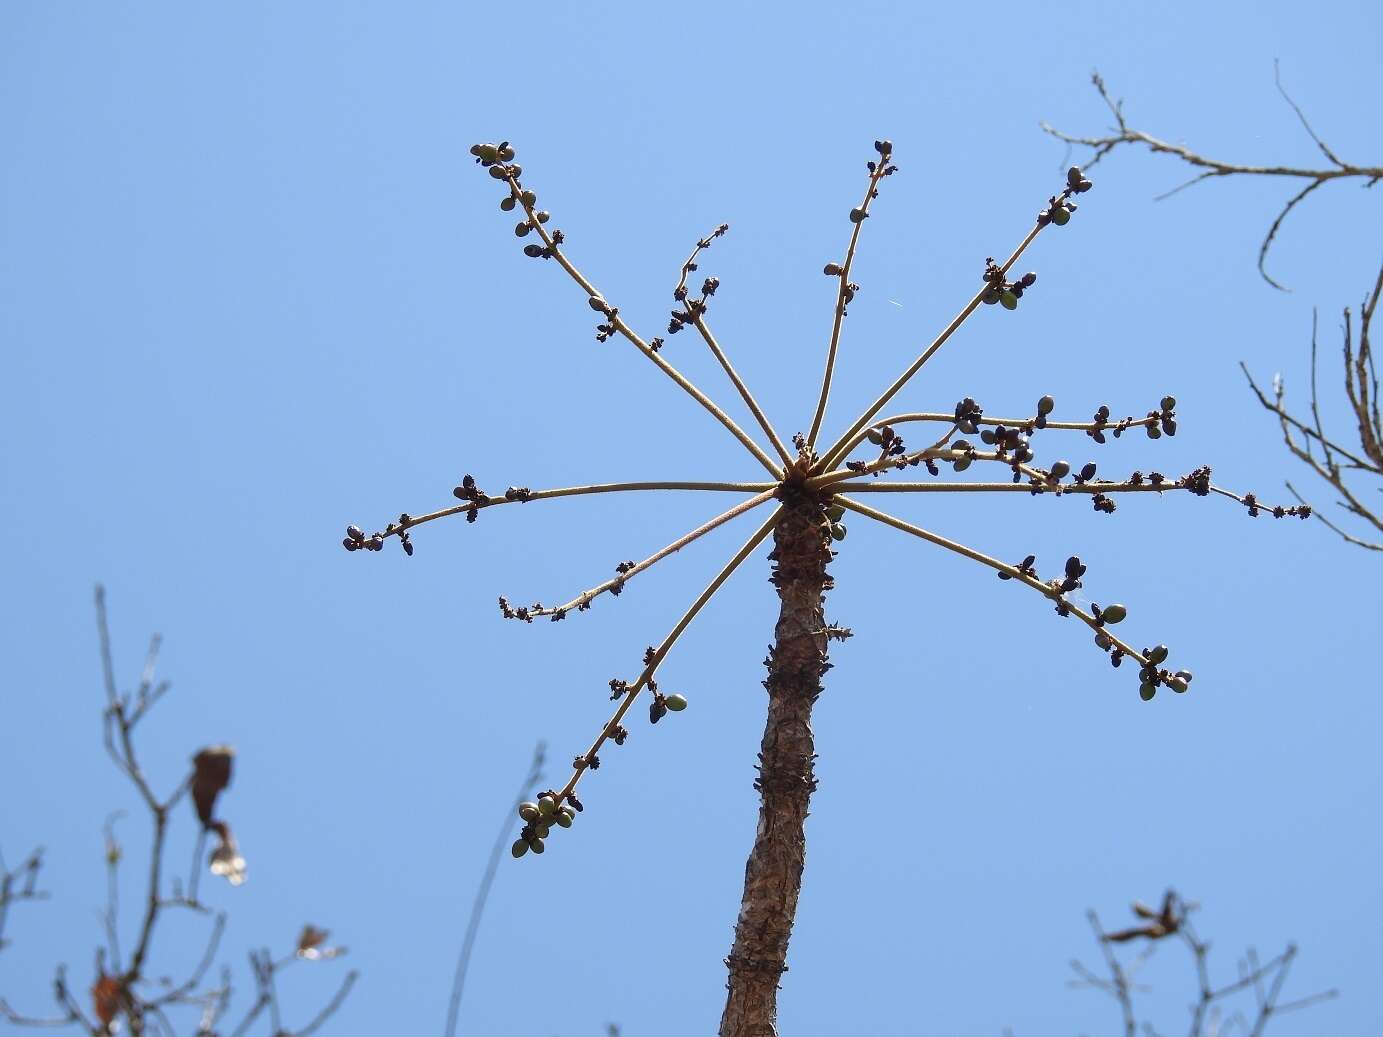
<point>252,288</point>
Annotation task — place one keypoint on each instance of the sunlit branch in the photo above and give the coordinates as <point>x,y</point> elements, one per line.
<point>1026,424</point>
<point>583,600</point>
<point>838,448</point>
<point>612,314</point>
<point>843,289</point>
<point>745,394</point>
<point>524,496</point>
<point>660,653</point>
<point>1012,572</point>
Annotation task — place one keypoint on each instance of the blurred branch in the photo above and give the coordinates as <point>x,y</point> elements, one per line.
<point>19,884</point>
<point>530,781</point>
<point>1209,1010</point>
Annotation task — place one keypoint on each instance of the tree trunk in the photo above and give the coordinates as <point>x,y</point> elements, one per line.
<point>773,875</point>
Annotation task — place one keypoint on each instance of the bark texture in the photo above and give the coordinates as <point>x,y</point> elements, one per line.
<point>773,875</point>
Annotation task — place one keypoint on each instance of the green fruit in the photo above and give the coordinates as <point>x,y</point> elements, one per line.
<point>564,820</point>
<point>529,199</point>
<point>486,152</point>
<point>542,830</point>
<point>960,464</point>
<point>835,512</point>
<point>1158,655</point>
<point>521,228</point>
<point>544,216</point>
<point>1114,614</point>
<point>1046,405</point>
<point>547,806</point>
<point>1061,217</point>
<point>1178,685</point>
<point>528,811</point>
<point>1009,300</point>
<point>1147,690</point>
<point>874,436</point>
<point>519,848</point>
<point>1169,403</point>
<point>537,846</point>
<point>507,203</point>
<point>837,531</point>
<point>506,154</point>
<point>1061,469</point>
<point>676,703</point>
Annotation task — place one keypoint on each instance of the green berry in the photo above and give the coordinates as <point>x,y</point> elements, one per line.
<point>521,228</point>
<point>676,702</point>
<point>1061,216</point>
<point>519,848</point>
<point>537,846</point>
<point>874,436</point>
<point>1157,655</point>
<point>506,154</point>
<point>837,531</point>
<point>1177,684</point>
<point>564,820</point>
<point>528,811</point>
<point>547,806</point>
<point>1147,690</point>
<point>1009,300</point>
<point>507,203</point>
<point>1046,405</point>
<point>835,512</point>
<point>529,199</point>
<point>1114,614</point>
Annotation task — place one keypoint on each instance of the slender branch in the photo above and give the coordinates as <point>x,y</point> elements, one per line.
<point>695,314</point>
<point>583,600</point>
<point>844,292</point>
<point>552,248</point>
<point>660,653</point>
<point>482,894</point>
<point>524,496</point>
<point>18,885</point>
<point>701,326</point>
<point>1012,572</point>
<point>1028,425</point>
<point>837,450</point>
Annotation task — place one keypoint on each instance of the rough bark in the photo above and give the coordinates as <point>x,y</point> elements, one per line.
<point>773,875</point>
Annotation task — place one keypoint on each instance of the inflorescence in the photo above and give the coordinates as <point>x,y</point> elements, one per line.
<point>827,476</point>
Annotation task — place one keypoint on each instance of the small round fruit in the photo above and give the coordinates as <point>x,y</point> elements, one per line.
<point>1114,614</point>
<point>507,203</point>
<point>1147,690</point>
<point>837,531</point>
<point>519,848</point>
<point>1046,405</point>
<point>1061,469</point>
<point>1158,655</point>
<point>676,702</point>
<point>1178,685</point>
<point>564,820</point>
<point>528,811</point>
<point>547,806</point>
<point>521,228</point>
<point>1009,300</point>
<point>529,199</point>
<point>537,846</point>
<point>1169,403</point>
<point>1061,217</point>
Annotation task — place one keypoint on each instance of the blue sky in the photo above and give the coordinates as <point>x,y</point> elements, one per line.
<point>252,288</point>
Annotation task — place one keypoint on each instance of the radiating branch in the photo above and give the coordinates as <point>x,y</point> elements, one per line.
<point>845,290</point>
<point>656,656</point>
<point>477,501</point>
<point>628,571</point>
<point>552,248</point>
